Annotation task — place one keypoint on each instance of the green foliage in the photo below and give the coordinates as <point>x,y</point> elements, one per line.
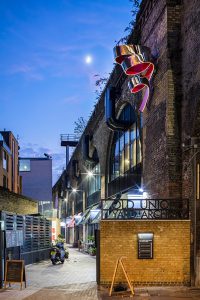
<point>60,239</point>
<point>131,25</point>
<point>66,253</point>
<point>80,125</point>
<point>90,238</point>
<point>100,84</point>
<point>60,236</point>
<point>92,250</point>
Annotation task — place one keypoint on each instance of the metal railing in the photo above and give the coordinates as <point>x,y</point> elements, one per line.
<point>144,209</point>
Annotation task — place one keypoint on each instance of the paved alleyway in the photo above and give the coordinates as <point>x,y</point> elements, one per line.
<point>75,280</point>
<point>45,281</point>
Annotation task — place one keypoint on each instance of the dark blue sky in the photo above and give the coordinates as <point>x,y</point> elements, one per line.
<point>45,82</point>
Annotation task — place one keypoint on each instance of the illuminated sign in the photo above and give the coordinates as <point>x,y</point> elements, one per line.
<point>145,245</point>
<point>54,231</point>
<point>162,209</point>
<point>135,61</point>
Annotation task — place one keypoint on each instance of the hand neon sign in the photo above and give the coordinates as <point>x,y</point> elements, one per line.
<point>135,61</point>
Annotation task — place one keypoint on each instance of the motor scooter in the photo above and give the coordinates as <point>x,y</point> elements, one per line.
<point>57,254</point>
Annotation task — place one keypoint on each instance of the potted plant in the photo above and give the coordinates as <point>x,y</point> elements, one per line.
<point>66,253</point>
<point>90,238</point>
<point>93,251</point>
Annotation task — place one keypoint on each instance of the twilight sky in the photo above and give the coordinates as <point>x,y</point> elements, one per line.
<point>45,82</point>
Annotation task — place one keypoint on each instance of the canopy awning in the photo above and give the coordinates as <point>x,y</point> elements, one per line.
<point>89,215</point>
<point>68,220</point>
<point>71,223</point>
<point>85,217</point>
<point>93,214</point>
<point>97,218</point>
<point>74,220</point>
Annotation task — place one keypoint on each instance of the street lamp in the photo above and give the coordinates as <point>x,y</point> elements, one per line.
<point>90,173</point>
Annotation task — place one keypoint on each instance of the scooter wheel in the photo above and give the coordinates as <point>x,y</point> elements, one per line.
<point>53,262</point>
<point>62,261</point>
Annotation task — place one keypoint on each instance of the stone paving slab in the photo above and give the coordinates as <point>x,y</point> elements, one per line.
<point>75,280</point>
<point>156,293</point>
<point>86,291</point>
<point>89,291</point>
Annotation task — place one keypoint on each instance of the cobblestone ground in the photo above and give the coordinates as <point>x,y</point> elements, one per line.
<point>75,280</point>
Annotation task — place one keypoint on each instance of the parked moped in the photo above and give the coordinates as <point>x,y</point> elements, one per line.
<point>57,254</point>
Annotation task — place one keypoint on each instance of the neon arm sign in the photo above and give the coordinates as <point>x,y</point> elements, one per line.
<point>135,61</point>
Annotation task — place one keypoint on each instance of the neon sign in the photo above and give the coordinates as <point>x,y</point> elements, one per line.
<point>135,61</point>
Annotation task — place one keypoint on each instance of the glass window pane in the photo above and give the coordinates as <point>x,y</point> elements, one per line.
<point>91,183</point>
<point>94,182</point>
<point>127,158</point>
<point>133,133</point>
<point>121,141</point>
<point>127,137</point>
<point>134,154</point>
<point>117,159</point>
<point>5,161</point>
<point>122,163</point>
<point>139,154</point>
<point>126,151</point>
<point>117,148</point>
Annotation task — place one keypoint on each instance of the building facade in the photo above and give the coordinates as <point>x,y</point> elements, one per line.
<point>36,176</point>
<point>9,162</point>
<point>125,154</point>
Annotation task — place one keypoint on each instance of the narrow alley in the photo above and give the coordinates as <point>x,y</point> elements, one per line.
<point>73,279</point>
<point>76,280</point>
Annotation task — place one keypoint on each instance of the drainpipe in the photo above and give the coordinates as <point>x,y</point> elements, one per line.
<point>111,121</point>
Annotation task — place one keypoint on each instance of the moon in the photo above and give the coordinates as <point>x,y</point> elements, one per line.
<point>88,59</point>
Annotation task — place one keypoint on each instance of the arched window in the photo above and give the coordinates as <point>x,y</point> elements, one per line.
<point>126,148</point>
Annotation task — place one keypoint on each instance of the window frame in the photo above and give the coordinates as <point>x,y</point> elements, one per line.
<point>130,151</point>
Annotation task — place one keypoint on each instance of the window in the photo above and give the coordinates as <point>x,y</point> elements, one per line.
<point>126,148</point>
<point>5,161</point>
<point>94,181</point>
<point>24,165</point>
